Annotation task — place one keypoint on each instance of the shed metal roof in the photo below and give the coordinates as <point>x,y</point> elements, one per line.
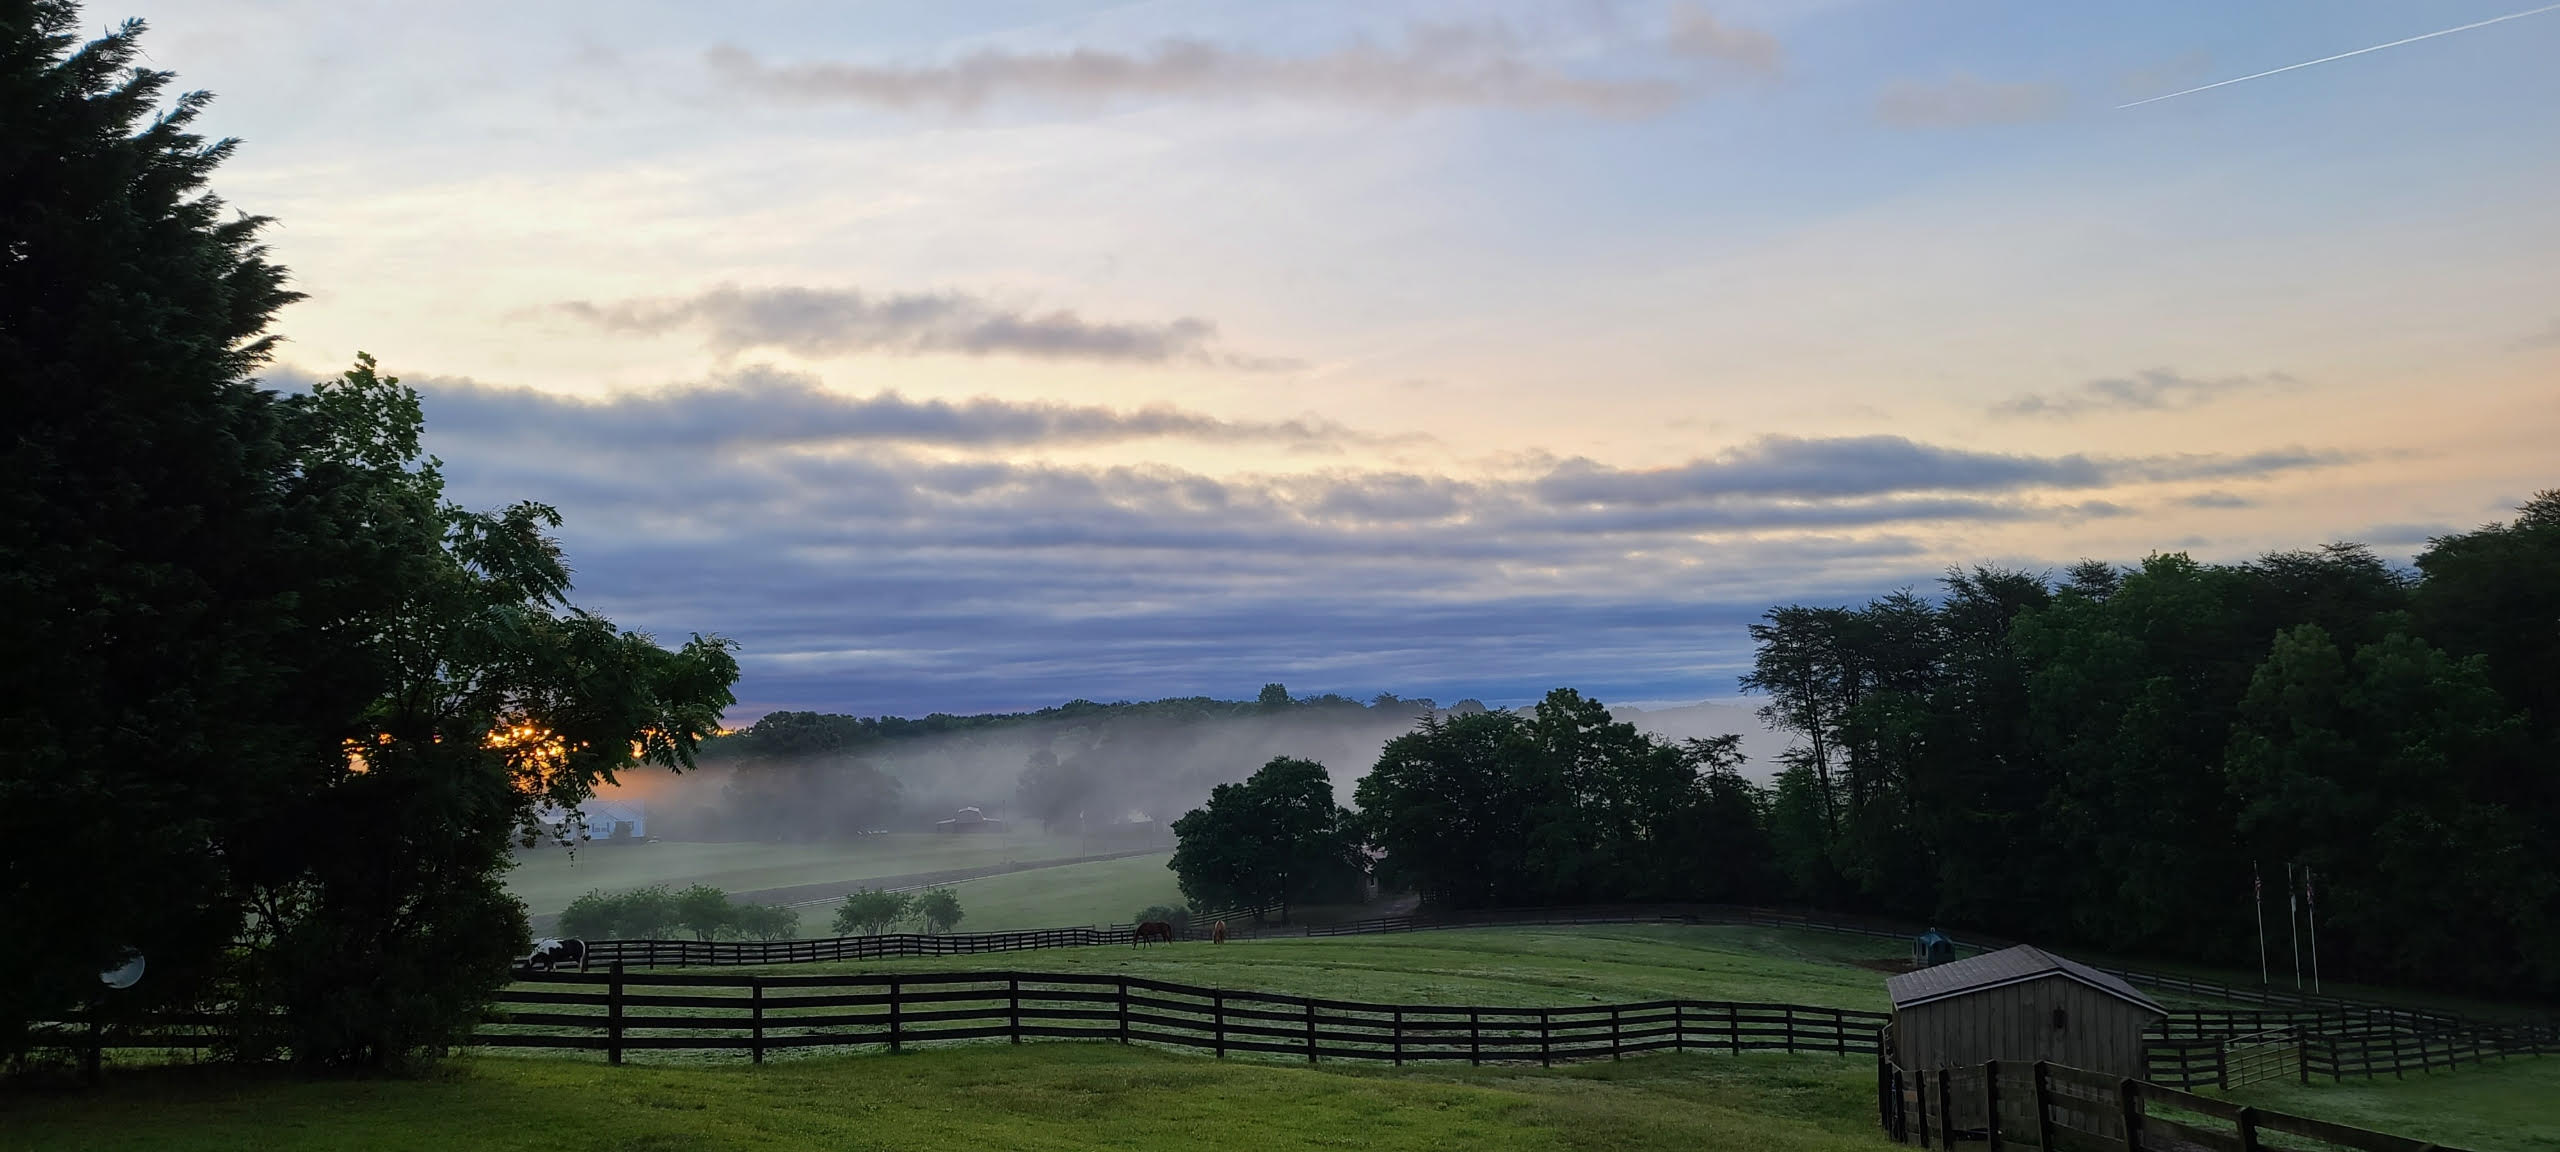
<point>2002,968</point>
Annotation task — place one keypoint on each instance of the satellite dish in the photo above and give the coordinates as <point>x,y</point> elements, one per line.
<point>124,972</point>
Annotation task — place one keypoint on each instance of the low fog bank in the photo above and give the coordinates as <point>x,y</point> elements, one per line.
<point>1712,718</point>
<point>1104,773</point>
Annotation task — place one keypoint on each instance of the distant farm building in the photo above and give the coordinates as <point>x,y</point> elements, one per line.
<point>2023,1004</point>
<point>969,820</point>
<point>623,820</point>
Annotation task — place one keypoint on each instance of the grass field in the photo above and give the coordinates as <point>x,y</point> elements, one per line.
<point>2498,1107</point>
<point>549,879</point>
<point>1495,966</point>
<point>1052,1096</point>
<point>1102,892</point>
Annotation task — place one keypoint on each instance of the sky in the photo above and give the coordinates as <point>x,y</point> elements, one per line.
<point>980,356</point>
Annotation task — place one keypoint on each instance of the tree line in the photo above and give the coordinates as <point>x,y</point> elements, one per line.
<point>2107,759</point>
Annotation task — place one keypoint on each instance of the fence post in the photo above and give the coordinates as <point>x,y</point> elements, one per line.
<point>2044,1110</point>
<point>1839,1033</point>
<point>1991,1103</point>
<point>1124,1009</point>
<point>1789,1011</point>
<point>1546,1051</point>
<point>2248,1122</point>
<point>1218,1020</point>
<point>897,1037</point>
<point>2222,1065</point>
<point>1614,1039</point>
<point>1947,1110</point>
<point>613,1016</point>
<point>755,1007</point>
<point>2129,1100</point>
<point>1311,1031</point>
<point>1733,1026</point>
<point>1399,1037</point>
<point>1013,1006</point>
<point>1679,1025</point>
<point>1475,1039</point>
<point>1920,1095</point>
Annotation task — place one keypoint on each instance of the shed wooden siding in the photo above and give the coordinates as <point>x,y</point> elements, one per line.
<point>2101,1033</point>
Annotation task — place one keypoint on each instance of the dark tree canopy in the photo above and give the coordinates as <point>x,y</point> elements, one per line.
<point>1277,838</point>
<point>280,708</point>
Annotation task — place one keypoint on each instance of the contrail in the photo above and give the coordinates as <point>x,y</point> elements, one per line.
<point>2344,55</point>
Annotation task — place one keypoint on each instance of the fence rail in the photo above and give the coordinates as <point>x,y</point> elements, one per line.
<point>2052,1106</point>
<point>620,1011</point>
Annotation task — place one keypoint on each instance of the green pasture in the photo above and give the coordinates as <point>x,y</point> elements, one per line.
<point>2500,1106</point>
<point>1100,892</point>
<point>1043,1096</point>
<point>548,879</point>
<point>1554,966</point>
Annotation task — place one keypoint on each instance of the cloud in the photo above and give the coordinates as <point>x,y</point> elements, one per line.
<point>2153,390</point>
<point>763,408</point>
<point>885,554</point>
<point>1963,100</point>
<point>1696,33</point>
<point>1435,66</point>
<point>818,322</point>
<point>1865,466</point>
<point>1444,65</point>
<point>2548,337</point>
<point>2217,500</point>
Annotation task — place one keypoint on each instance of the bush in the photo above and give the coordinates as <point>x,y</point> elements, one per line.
<point>765,921</point>
<point>867,912</point>
<point>939,908</point>
<point>705,911</point>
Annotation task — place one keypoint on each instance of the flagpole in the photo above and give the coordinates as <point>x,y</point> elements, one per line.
<point>2311,912</point>
<point>2293,921</point>
<point>2258,897</point>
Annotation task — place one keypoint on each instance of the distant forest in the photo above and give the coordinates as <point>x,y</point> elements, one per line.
<point>2105,759</point>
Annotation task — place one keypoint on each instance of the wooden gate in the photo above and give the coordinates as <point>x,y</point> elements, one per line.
<point>2269,1055</point>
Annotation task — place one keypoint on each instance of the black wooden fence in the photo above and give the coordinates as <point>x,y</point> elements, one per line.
<point>2054,1107</point>
<point>620,1011</point>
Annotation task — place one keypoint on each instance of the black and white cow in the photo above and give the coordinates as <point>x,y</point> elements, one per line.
<point>551,952</point>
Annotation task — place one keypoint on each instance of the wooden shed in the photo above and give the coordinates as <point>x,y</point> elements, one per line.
<point>2022,1004</point>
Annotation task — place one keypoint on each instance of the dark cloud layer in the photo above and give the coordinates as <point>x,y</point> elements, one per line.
<point>761,407</point>
<point>865,568</point>
<point>2153,390</point>
<point>818,322</point>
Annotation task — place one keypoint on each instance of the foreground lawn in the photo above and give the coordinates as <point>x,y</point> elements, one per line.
<point>2497,1107</point>
<point>1494,966</point>
<point>1051,1096</point>
<point>548,879</point>
<point>1102,892</point>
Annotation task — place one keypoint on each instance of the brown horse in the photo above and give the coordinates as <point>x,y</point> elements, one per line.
<point>1218,932</point>
<point>1151,930</point>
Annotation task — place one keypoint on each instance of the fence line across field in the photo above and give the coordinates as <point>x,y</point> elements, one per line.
<point>621,1012</point>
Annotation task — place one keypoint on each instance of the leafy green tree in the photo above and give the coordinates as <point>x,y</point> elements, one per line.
<point>282,707</point>
<point>592,916</point>
<point>1278,838</point>
<point>939,908</point>
<point>765,921</point>
<point>1274,697</point>
<point>1449,804</point>
<point>704,911</point>
<point>871,913</point>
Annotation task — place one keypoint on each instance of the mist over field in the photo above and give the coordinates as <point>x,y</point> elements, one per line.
<point>1077,769</point>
